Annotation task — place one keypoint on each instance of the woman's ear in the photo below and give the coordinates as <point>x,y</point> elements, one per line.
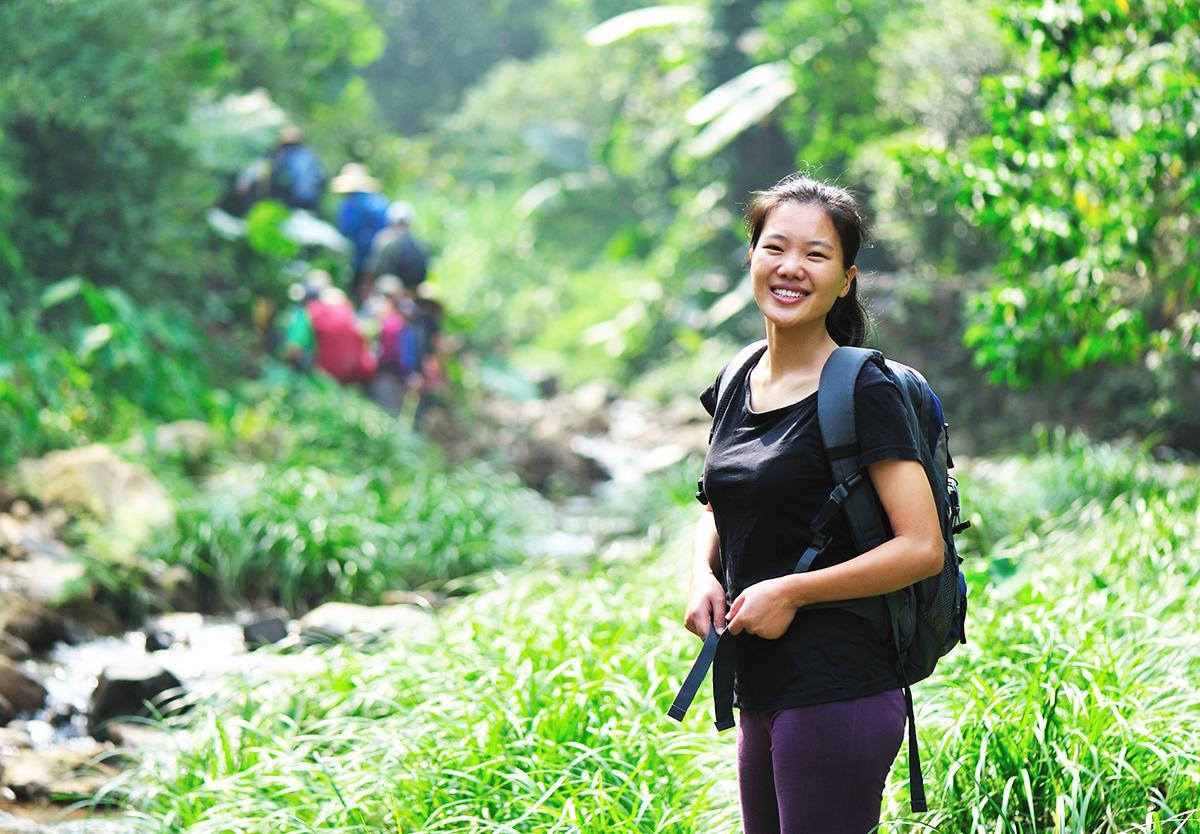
<point>851,274</point>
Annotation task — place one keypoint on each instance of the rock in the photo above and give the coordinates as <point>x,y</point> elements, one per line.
<point>14,738</point>
<point>13,647</point>
<point>586,408</point>
<point>16,825</point>
<point>93,479</point>
<point>136,736</point>
<point>38,626</point>
<point>334,620</point>
<point>266,628</point>
<point>27,533</point>
<point>173,586</point>
<point>157,641</point>
<point>78,771</point>
<point>91,617</point>
<point>125,689</point>
<point>45,578</point>
<point>20,690</point>
<point>191,440</point>
<point>422,599</point>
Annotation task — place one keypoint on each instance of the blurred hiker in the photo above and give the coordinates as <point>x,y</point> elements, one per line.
<point>428,313</point>
<point>299,343</point>
<point>410,348</point>
<point>297,176</point>
<point>323,332</point>
<point>361,214</point>
<point>395,373</point>
<point>245,188</point>
<point>396,252</point>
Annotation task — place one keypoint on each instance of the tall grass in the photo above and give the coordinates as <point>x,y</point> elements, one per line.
<point>537,705</point>
<point>328,497</point>
<point>1075,707</point>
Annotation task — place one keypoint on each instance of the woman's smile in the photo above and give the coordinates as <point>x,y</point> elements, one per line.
<point>787,295</point>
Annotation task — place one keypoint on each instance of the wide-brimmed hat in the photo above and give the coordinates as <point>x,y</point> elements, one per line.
<point>354,176</point>
<point>289,134</point>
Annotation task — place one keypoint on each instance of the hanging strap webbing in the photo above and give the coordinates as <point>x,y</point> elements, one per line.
<point>717,650</point>
<point>691,684</point>
<point>916,784</point>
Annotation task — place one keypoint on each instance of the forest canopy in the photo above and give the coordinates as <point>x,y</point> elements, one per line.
<point>580,167</point>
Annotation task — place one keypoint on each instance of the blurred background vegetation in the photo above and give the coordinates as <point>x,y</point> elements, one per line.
<point>579,167</point>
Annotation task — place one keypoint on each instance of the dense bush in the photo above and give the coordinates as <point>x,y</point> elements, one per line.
<point>82,363</point>
<point>326,497</point>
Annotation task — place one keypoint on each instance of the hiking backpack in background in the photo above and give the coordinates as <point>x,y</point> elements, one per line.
<point>926,619</point>
<point>409,345</point>
<point>297,177</point>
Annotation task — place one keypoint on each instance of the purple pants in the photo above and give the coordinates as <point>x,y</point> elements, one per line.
<point>818,769</point>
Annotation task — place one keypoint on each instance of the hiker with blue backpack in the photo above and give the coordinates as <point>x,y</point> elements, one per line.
<point>824,579</point>
<point>360,215</point>
<point>297,177</point>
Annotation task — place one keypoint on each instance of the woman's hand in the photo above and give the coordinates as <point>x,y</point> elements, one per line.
<point>765,609</point>
<point>706,605</point>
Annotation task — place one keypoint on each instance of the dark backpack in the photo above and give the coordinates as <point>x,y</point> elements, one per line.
<point>926,619</point>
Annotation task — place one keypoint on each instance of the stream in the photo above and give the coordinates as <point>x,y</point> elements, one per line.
<point>206,652</point>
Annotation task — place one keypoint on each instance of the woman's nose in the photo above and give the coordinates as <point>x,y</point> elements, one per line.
<point>791,264</point>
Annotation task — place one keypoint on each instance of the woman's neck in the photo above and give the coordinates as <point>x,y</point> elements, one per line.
<point>797,350</point>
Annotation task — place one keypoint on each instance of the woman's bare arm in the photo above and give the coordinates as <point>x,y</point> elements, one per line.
<point>706,596</point>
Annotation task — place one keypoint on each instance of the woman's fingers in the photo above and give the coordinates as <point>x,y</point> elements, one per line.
<point>735,625</point>
<point>699,620</point>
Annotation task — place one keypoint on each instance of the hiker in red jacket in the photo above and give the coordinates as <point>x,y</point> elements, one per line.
<point>326,329</point>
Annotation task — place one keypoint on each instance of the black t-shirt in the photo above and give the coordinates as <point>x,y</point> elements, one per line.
<point>766,476</point>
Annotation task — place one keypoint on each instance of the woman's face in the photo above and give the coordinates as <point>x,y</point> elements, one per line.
<point>796,267</point>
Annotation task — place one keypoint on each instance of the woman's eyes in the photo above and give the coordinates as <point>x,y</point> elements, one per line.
<point>770,247</point>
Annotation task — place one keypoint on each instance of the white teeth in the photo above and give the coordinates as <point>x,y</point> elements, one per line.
<point>789,293</point>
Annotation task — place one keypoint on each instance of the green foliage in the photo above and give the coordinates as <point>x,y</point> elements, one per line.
<point>98,167</point>
<point>1069,707</point>
<point>87,363</point>
<point>332,499</point>
<point>831,46</point>
<point>438,49</point>
<point>1086,176</point>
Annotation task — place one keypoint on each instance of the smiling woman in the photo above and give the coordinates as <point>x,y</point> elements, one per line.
<point>822,712</point>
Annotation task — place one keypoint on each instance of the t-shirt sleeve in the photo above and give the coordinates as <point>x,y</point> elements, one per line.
<point>881,419</point>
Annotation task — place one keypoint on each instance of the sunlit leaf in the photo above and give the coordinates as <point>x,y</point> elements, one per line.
<point>641,20</point>
<point>739,103</point>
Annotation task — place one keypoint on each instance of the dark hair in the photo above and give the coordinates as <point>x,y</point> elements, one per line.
<point>847,321</point>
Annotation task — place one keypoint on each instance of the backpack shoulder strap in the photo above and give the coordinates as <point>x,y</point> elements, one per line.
<point>736,367</point>
<point>839,435</point>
